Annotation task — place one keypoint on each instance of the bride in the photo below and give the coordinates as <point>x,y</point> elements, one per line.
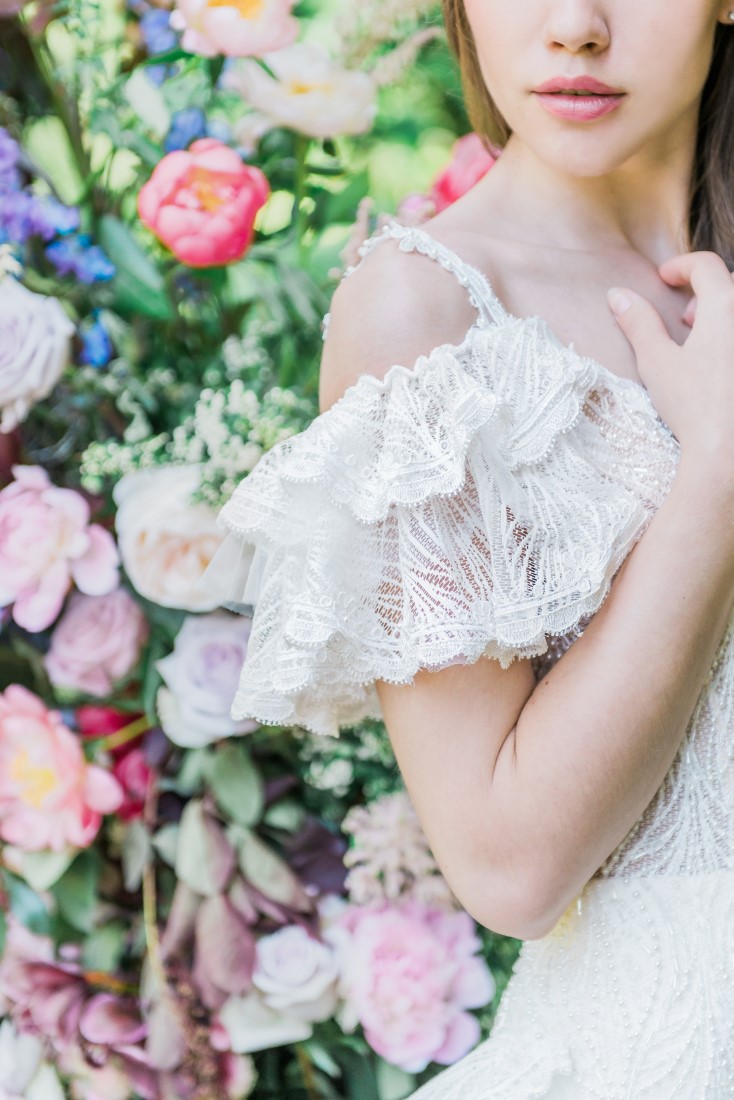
<point>510,533</point>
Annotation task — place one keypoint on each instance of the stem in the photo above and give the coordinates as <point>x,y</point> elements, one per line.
<point>307,1073</point>
<point>298,217</point>
<point>121,736</point>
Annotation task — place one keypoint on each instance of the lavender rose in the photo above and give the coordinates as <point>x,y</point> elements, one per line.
<point>200,678</point>
<point>96,642</point>
<point>34,349</point>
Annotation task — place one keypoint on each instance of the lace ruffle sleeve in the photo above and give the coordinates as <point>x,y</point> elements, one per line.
<point>454,510</point>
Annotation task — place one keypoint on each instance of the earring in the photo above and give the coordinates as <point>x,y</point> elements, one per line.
<point>731,14</point>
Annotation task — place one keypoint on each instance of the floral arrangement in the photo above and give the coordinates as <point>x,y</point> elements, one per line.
<point>193,906</point>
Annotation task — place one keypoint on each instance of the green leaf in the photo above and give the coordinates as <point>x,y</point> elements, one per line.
<point>104,947</point>
<point>138,285</point>
<point>204,859</point>
<point>27,906</point>
<point>236,784</point>
<point>286,814</point>
<point>270,874</point>
<point>136,854</point>
<point>42,869</point>
<point>393,1083</point>
<point>165,842</point>
<point>147,100</point>
<point>76,890</point>
<point>3,930</point>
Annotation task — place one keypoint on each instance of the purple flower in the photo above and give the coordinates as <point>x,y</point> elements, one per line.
<point>158,35</point>
<point>186,125</point>
<point>49,217</point>
<point>76,255</point>
<point>16,216</point>
<point>96,344</point>
<point>9,153</point>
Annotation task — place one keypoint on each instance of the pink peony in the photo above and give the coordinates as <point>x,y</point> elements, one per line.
<point>202,202</point>
<point>96,642</point>
<point>470,161</point>
<point>408,974</point>
<point>236,28</point>
<point>46,542</point>
<point>49,796</point>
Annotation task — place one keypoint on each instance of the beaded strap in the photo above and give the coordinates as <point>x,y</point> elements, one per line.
<point>415,239</point>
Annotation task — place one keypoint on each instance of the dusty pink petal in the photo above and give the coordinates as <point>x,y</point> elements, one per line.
<point>70,503</point>
<point>30,477</point>
<point>36,608</point>
<point>18,698</point>
<point>110,1020</point>
<point>173,168</point>
<point>174,221</point>
<point>29,831</point>
<point>474,985</point>
<point>96,572</point>
<point>462,1034</point>
<point>102,792</point>
<point>216,157</point>
<point>195,251</point>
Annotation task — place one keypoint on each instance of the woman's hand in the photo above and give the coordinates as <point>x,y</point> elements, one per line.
<point>691,384</point>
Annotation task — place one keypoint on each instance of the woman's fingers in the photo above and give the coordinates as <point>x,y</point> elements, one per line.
<point>689,315</point>
<point>642,325</point>
<point>705,272</point>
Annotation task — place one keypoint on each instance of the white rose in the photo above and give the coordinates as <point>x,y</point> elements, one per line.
<point>296,973</point>
<point>311,92</point>
<point>165,541</point>
<point>35,336</point>
<point>23,1075</point>
<point>251,1025</point>
<point>201,677</point>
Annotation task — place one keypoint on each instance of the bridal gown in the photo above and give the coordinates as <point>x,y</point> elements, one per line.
<point>478,502</point>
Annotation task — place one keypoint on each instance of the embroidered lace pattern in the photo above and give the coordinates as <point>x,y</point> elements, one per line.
<point>478,503</point>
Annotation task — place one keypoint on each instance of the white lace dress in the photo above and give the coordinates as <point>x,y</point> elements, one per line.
<point>478,503</point>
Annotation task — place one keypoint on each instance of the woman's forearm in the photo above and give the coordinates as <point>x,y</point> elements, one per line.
<point>599,733</point>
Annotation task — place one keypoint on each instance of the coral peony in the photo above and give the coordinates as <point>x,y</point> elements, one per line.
<point>408,974</point>
<point>46,542</point>
<point>310,93</point>
<point>470,161</point>
<point>166,542</point>
<point>202,203</point>
<point>96,642</point>
<point>236,28</point>
<point>49,796</point>
<point>36,340</point>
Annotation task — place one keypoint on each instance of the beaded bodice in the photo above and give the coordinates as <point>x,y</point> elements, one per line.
<point>476,503</point>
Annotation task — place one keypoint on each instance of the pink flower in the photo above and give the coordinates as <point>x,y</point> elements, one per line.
<point>408,974</point>
<point>96,642</point>
<point>133,773</point>
<point>46,542</point>
<point>202,202</point>
<point>469,162</point>
<point>234,27</point>
<point>49,796</point>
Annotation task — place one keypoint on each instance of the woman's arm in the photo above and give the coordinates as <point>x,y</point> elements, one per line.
<point>524,791</point>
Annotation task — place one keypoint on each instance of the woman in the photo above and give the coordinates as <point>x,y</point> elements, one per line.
<point>505,432</point>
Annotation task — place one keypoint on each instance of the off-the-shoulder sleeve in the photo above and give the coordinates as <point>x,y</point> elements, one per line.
<point>426,519</point>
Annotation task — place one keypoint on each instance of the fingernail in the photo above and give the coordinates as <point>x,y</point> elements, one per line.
<point>618,300</point>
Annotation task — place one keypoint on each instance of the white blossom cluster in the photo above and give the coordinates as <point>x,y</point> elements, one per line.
<point>228,432</point>
<point>389,856</point>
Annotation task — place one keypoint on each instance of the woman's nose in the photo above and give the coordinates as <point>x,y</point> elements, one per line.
<point>577,26</point>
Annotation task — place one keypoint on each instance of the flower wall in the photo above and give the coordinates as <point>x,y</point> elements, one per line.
<point>194,907</point>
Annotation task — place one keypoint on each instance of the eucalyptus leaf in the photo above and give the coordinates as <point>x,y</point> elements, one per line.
<point>236,784</point>
<point>25,904</point>
<point>76,890</point>
<point>204,859</point>
<point>165,842</point>
<point>104,947</point>
<point>136,853</point>
<point>264,869</point>
<point>138,284</point>
<point>42,869</point>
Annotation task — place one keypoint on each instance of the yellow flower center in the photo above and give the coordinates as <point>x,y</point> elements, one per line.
<point>36,782</point>
<point>298,87</point>
<point>248,9</point>
<point>207,188</point>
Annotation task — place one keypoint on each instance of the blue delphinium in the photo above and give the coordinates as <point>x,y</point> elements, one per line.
<point>76,255</point>
<point>96,344</point>
<point>186,125</point>
<point>158,35</point>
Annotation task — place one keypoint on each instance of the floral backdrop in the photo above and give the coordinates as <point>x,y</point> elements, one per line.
<point>195,907</point>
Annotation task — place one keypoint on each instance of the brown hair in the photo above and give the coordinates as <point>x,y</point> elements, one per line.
<point>711,212</point>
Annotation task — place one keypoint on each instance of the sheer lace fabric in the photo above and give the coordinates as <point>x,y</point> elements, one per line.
<point>478,503</point>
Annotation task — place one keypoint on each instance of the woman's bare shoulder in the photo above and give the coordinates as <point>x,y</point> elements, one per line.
<point>394,307</point>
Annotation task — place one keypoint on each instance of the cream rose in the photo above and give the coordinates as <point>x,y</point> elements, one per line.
<point>35,335</point>
<point>311,92</point>
<point>165,541</point>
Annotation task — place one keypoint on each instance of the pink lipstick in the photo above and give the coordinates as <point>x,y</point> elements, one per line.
<point>578,98</point>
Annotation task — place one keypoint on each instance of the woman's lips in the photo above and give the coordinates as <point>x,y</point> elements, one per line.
<point>578,108</point>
